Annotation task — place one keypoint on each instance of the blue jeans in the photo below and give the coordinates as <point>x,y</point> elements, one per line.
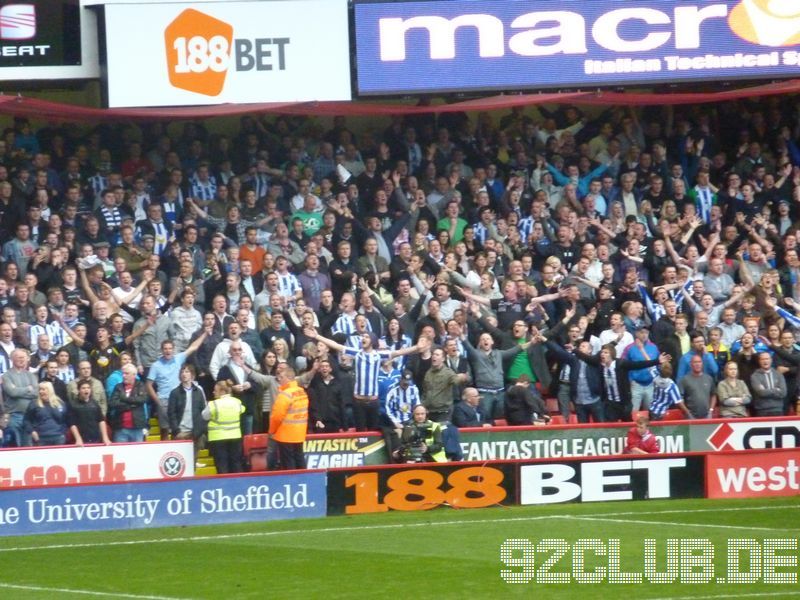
<point>14,434</point>
<point>492,405</point>
<point>595,409</point>
<point>128,435</point>
<point>51,440</point>
<point>247,424</point>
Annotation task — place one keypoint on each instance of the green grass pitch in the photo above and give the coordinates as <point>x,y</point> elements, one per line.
<point>443,553</point>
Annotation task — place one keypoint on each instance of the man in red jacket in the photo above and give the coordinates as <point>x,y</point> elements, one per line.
<point>640,439</point>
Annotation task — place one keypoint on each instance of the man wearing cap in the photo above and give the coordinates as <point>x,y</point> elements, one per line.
<point>102,251</point>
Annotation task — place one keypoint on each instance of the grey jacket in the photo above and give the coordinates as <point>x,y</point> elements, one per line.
<point>769,392</point>
<point>20,388</point>
<point>148,345</point>
<point>487,369</point>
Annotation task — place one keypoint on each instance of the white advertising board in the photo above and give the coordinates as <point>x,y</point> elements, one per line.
<point>227,52</point>
<point>71,465</point>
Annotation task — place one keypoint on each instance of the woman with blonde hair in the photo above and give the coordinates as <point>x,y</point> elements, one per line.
<point>46,418</point>
<point>281,350</point>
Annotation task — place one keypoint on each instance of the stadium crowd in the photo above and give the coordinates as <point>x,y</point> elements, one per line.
<point>475,265</point>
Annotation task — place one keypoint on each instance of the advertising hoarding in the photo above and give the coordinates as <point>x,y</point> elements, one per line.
<point>461,45</point>
<point>617,479</point>
<point>236,499</point>
<point>47,39</point>
<point>328,452</point>
<point>420,487</point>
<point>70,465</point>
<point>227,52</point>
<point>525,443</point>
<point>755,474</point>
<point>494,483</point>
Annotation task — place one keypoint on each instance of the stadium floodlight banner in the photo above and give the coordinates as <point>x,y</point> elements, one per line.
<point>227,52</point>
<point>462,45</point>
<point>201,501</point>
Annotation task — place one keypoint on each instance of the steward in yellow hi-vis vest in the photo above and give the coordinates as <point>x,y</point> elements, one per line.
<point>288,421</point>
<point>224,429</point>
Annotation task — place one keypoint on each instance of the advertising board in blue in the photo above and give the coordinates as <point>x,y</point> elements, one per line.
<point>138,505</point>
<point>447,45</point>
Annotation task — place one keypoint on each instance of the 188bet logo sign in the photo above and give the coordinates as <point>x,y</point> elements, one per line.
<point>200,49</point>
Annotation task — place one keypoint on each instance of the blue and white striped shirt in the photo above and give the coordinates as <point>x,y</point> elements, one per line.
<point>366,367</point>
<point>97,183</point>
<point>54,331</point>
<point>161,234</point>
<point>705,200</point>
<point>665,395</point>
<point>66,375</point>
<point>406,342</point>
<point>525,227</point>
<point>260,183</point>
<point>288,285</point>
<point>481,232</point>
<point>400,403</point>
<point>346,324</point>
<point>204,190</point>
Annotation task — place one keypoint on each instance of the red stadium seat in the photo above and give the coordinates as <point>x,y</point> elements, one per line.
<point>556,420</point>
<point>255,451</point>
<point>673,414</point>
<point>500,423</point>
<point>552,406</point>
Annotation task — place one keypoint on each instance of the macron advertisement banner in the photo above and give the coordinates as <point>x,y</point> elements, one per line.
<point>204,501</point>
<point>459,45</point>
<point>227,52</point>
<point>70,465</point>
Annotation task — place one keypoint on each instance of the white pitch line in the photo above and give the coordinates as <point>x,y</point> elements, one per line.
<point>384,526</point>
<point>721,596</point>
<point>228,536</point>
<point>674,524</point>
<point>38,588</point>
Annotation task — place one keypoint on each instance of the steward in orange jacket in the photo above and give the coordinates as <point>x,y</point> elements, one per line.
<point>288,421</point>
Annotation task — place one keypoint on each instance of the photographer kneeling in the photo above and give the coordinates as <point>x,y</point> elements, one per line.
<point>421,440</point>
